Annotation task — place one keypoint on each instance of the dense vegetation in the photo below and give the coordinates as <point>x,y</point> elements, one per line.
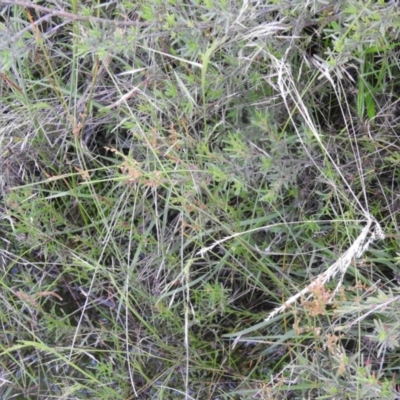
<point>199,199</point>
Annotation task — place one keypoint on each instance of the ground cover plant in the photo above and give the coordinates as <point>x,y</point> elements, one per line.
<point>199,199</point>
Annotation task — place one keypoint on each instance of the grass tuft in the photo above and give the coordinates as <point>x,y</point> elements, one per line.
<point>199,200</point>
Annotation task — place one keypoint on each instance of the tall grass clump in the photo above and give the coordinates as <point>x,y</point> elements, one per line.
<point>199,199</point>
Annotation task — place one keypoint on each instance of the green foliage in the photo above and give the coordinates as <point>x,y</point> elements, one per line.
<point>171,172</point>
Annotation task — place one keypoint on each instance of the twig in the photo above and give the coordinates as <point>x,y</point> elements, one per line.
<point>71,16</point>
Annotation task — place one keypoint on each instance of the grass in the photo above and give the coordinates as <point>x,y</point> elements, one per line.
<point>199,200</point>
